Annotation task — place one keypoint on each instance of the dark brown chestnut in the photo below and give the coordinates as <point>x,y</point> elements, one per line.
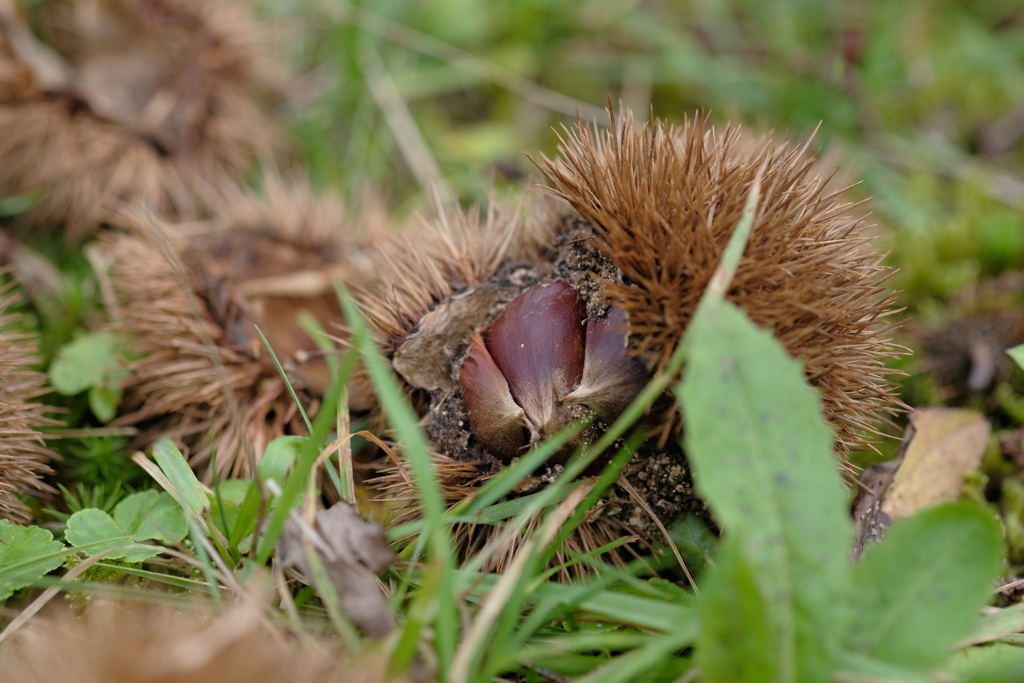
<point>494,416</point>
<point>538,344</point>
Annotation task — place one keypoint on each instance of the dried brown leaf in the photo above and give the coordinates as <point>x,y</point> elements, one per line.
<point>947,444</point>
<point>124,642</point>
<point>353,551</point>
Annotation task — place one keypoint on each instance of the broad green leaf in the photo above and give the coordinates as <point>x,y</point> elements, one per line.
<point>12,205</point>
<point>174,466</point>
<point>92,526</point>
<point>232,490</point>
<point>226,503</point>
<point>919,590</point>
<point>1017,354</point>
<point>278,459</point>
<point>695,541</point>
<point>103,402</point>
<point>998,663</point>
<point>245,518</point>
<point>151,515</point>
<point>27,553</point>
<point>279,456</point>
<point>85,362</point>
<point>672,592</point>
<point>762,458</point>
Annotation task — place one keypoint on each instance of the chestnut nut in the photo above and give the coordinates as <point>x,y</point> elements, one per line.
<point>540,365</point>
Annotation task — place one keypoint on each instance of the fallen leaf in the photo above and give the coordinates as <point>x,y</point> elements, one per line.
<point>947,444</point>
<point>353,551</point>
<point>869,521</point>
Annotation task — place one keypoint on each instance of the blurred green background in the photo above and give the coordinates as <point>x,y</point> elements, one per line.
<point>922,100</point>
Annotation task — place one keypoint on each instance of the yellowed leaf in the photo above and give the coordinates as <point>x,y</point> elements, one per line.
<point>947,444</point>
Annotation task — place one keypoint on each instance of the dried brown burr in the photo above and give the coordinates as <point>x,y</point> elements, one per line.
<point>663,202</point>
<point>23,453</point>
<point>189,297</point>
<point>967,352</point>
<point>507,329</point>
<point>968,356</point>
<point>132,100</point>
<point>120,642</point>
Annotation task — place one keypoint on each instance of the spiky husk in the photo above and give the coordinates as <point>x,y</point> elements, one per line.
<point>189,296</point>
<point>23,453</point>
<point>416,272</point>
<point>656,208</point>
<point>416,269</point>
<point>966,350</point>
<point>125,642</point>
<point>968,356</point>
<point>663,201</point>
<point>133,101</point>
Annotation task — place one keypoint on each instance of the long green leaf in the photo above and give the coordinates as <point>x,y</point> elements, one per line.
<point>296,482</point>
<point>403,419</point>
<point>284,378</point>
<point>502,483</point>
<point>856,668</point>
<point>622,608</point>
<point>653,655</point>
<point>762,458</point>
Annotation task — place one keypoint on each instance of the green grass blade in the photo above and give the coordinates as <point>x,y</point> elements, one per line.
<point>311,326</point>
<point>168,579</point>
<point>655,654</point>
<point>416,450</point>
<point>296,483</point>
<point>174,466</point>
<point>604,481</point>
<point>500,485</point>
<point>402,418</point>
<point>1005,622</point>
<point>525,505</point>
<point>212,585</point>
<point>284,378</point>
